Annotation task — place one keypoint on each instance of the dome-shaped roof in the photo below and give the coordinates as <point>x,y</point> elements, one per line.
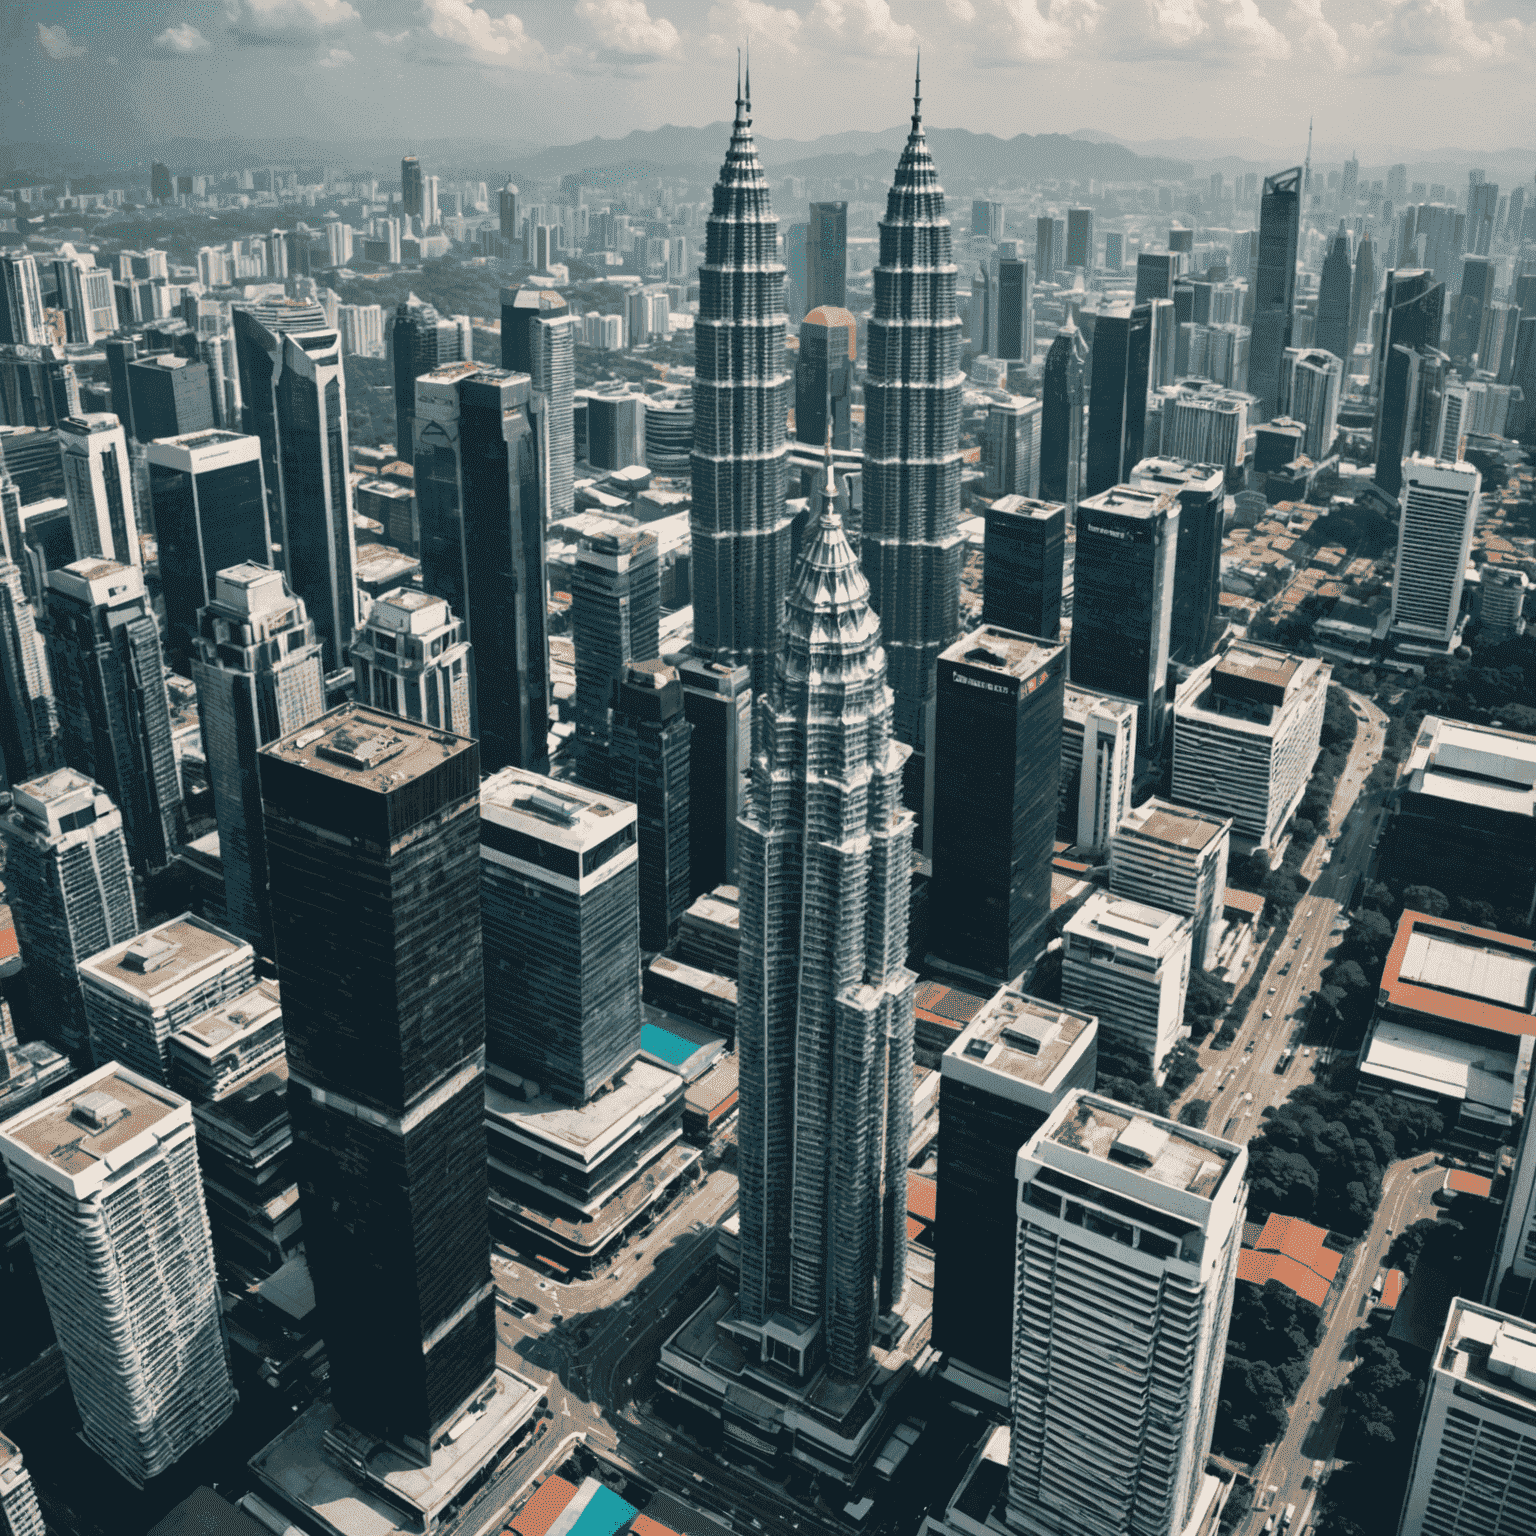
<point>831,315</point>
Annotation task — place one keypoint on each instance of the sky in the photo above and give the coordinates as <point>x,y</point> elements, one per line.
<point>1411,73</point>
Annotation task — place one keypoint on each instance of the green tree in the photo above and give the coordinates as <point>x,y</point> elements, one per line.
<point>1195,1113</point>
<point>1409,1244</point>
<point>1426,899</point>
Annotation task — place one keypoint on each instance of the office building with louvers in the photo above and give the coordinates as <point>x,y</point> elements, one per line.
<point>995,792</point>
<point>373,854</point>
<point>1098,766</point>
<point>538,338</point>
<point>29,714</point>
<point>1008,1069</point>
<point>717,700</point>
<point>1439,503</point>
<point>1174,858</point>
<point>1022,566</point>
<point>98,481</point>
<point>559,874</point>
<point>410,657</point>
<point>1201,491</point>
<point>106,1176</point>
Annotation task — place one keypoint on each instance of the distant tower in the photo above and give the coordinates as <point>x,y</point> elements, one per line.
<point>1080,238</point>
<point>418,340</point>
<point>740,527</point>
<point>107,1180</point>
<point>71,888</point>
<point>1201,489</point>
<point>1332,332</point>
<point>113,707</point>
<point>826,255</point>
<point>1117,399</point>
<point>29,713</point>
<point>1311,380</point>
<point>410,187</point>
<point>21,300</point>
<point>98,481</point>
<point>1363,296</point>
<point>409,657</point>
<point>259,676</point>
<point>826,850</point>
<point>1274,295</point>
<point>1063,408</point>
<point>912,543</point>
<point>538,337</point>
<point>829,343</point>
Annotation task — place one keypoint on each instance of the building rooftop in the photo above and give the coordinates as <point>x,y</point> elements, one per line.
<point>215,1031</point>
<point>1128,501</point>
<point>1163,822</point>
<point>1473,765</point>
<point>1176,474</point>
<point>162,962</point>
<point>1493,1351</point>
<point>1465,975</point>
<point>97,581</point>
<point>1126,924</point>
<point>1028,506</point>
<point>1258,664</point>
<point>1001,650</point>
<point>1295,1253</point>
<point>582,1132</point>
<point>1079,703</point>
<point>367,747</point>
<point>563,813</point>
<point>1022,1038</point>
<point>1149,1145</point>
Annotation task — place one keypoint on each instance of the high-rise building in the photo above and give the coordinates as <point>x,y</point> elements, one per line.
<point>1412,308</point>
<point>38,386</point>
<point>1007,1070</point>
<point>1333,332</point>
<point>71,888</point>
<point>615,427</point>
<point>170,396</point>
<point>1246,730</point>
<point>115,715</point>
<point>29,714</point>
<point>1472,302</point>
<point>740,527</point>
<point>21,300</point>
<point>1022,561</point>
<point>1010,321</point>
<point>1117,396</point>
<point>210,512</point>
<point>373,852</point>
<point>823,1156</point>
<point>1274,294</point>
<point>1098,763</point>
<point>259,675</point>
<point>829,340</point>
<point>1123,581</point>
<point>509,224</point>
<point>1170,857</point>
<point>1310,385</point>
<point>410,187</point>
<point>1156,274</point>
<point>650,767</point>
<point>538,337</point>
<point>995,790</point>
<point>1080,238</point>
<point>410,658</point>
<point>1482,217</point>
<point>912,545</point>
<point>795,240</point>
<point>1500,609</point>
<point>717,700</point>
<point>826,255</point>
<point>19,1512</point>
<point>559,889</point>
<point>1439,504</point>
<point>986,220</point>
<point>86,296</point>
<point>1201,490</point>
<point>98,480</point>
<point>1129,1227</point>
<point>106,1176</point>
<point>1114,252</point>
<point>1477,1436</point>
<point>1063,413</point>
<point>142,990</point>
<point>1011,447</point>
<point>418,340</point>
<point>615,619</point>
<point>1050,248</point>
<point>481,497</point>
<point>295,393</point>
<point>1202,423</point>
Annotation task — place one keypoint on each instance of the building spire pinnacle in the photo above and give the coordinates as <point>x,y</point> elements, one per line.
<point>749,79</point>
<point>917,95</point>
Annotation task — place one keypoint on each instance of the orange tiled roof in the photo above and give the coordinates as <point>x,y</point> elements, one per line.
<point>1459,1181</point>
<point>922,1197</point>
<point>543,1509</point>
<point>1449,1005</point>
<point>1301,1241</point>
<point>1260,1268</point>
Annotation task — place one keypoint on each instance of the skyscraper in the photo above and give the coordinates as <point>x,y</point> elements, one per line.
<point>826,255</point>
<point>1201,490</point>
<point>1010,448</point>
<point>1274,294</point>
<point>1171,857</point>
<point>1334,308</point>
<point>1063,408</point>
<point>170,396</point>
<point>1080,238</point>
<point>1022,560</point>
<point>1477,289</point>
<point>107,1179</point>
<point>259,675</point>
<point>1117,396</point>
<point>1050,248</point>
<point>823,935</point>
<point>1155,274</point>
<point>409,657</point>
<point>1122,606</point>
<point>986,220</point>
<point>29,714</point>
<point>1311,380</point>
<point>19,1512</point>
<point>538,337</point>
<point>116,718</point>
<point>1010,329</point>
<point>1098,766</point>
<point>418,340</point>
<point>739,524</point>
<point>509,223</point>
<point>21,300</point>
<point>912,545</point>
<point>372,828</point>
<point>1434,539</point>
<point>86,296</point>
<point>649,766</point>
<point>717,700</point>
<point>71,888</point>
<point>210,511</point>
<point>98,480</point>
<point>481,499</point>
<point>829,344</point>
<point>1118,1344</point>
<point>410,187</point>
<point>995,789</point>
<point>1412,308</point>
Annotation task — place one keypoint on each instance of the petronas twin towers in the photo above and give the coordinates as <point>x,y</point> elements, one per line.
<point>825,1003</point>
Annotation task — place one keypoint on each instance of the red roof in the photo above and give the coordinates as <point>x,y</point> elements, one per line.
<point>922,1197</point>
<point>1392,1288</point>
<point>543,1509</point>
<point>1263,1267</point>
<point>1301,1241</point>
<point>1242,901</point>
<point>1460,1182</point>
<point>1477,1012</point>
<point>950,1007</point>
<point>915,1229</point>
<point>643,1525</point>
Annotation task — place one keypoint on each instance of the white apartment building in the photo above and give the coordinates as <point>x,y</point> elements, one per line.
<point>1127,963</point>
<point>106,1177</point>
<point>1246,730</point>
<point>1129,1227</point>
<point>362,329</point>
<point>1098,756</point>
<point>1310,380</point>
<point>1439,506</point>
<point>1176,859</point>
<point>1474,1464</point>
<point>98,480</point>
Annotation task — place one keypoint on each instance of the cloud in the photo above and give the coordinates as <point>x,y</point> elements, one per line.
<point>335,59</point>
<point>852,28</point>
<point>862,27</point>
<point>767,27</point>
<point>1435,37</point>
<point>179,40</point>
<point>962,10</point>
<point>57,43</point>
<point>499,40</point>
<point>1248,28</point>
<point>391,39</point>
<point>626,30</point>
<point>1315,33</point>
<point>286,21</point>
<point>1032,36</point>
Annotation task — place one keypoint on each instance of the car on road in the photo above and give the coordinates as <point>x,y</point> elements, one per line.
<point>1272,991</point>
<point>1269,1013</point>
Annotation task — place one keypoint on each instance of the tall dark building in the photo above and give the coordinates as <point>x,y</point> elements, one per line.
<point>1477,287</point>
<point>160,188</point>
<point>1080,238</point>
<point>1063,402</point>
<point>411,203</point>
<point>1009,296</point>
<point>829,345</point>
<point>1022,564</point>
<point>1050,248</point>
<point>1274,295</point>
<point>1117,396</point>
<point>1364,294</point>
<point>419,340</point>
<point>650,768</point>
<point>108,669</point>
<point>1413,308</point>
<point>1334,301</point>
<point>1201,490</point>
<point>1156,273</point>
<point>740,527</point>
<point>538,337</point>
<point>169,397</point>
<point>1122,600</point>
<point>480,502</point>
<point>717,700</point>
<point>210,513</point>
<point>994,806</point>
<point>373,848</point>
<point>912,545</point>
<point>826,256</point>
<point>29,714</point>
<point>508,220</point>
<point>121,351</point>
